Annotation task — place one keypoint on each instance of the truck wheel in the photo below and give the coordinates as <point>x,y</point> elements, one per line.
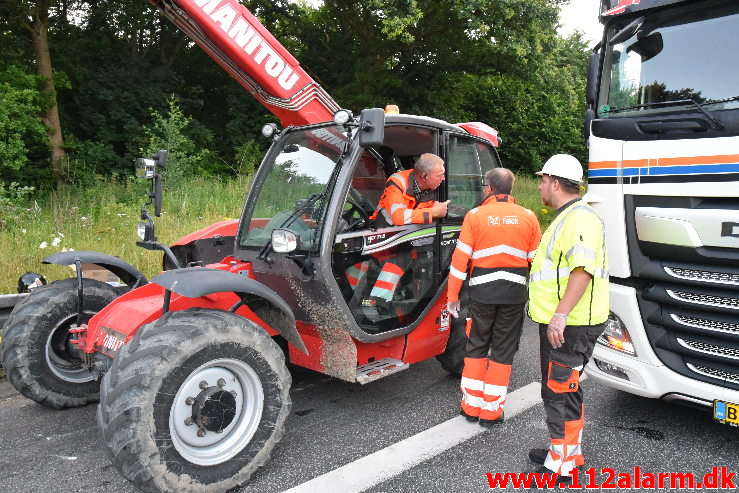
<point>36,350</point>
<point>195,402</point>
<point>452,359</point>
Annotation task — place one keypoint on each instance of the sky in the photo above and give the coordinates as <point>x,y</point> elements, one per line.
<point>581,15</point>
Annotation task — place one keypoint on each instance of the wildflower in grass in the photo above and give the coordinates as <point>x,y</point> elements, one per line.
<point>23,230</point>
<point>55,242</point>
<point>43,245</point>
<point>545,211</point>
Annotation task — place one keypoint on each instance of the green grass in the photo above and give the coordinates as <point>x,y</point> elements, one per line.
<point>103,217</point>
<point>526,191</point>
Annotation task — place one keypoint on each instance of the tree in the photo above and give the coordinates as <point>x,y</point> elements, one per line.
<point>497,61</point>
<point>35,18</point>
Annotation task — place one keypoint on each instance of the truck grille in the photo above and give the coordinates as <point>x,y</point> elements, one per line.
<point>707,348</point>
<point>703,275</point>
<point>705,299</point>
<point>688,297</point>
<point>707,324</point>
<point>715,373</point>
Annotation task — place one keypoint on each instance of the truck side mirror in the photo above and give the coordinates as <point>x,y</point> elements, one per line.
<point>591,88</point>
<point>372,127</point>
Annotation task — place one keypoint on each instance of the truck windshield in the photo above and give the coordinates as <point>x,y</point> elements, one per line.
<point>292,192</point>
<point>677,55</point>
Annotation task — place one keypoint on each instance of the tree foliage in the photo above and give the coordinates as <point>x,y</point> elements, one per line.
<point>117,64</point>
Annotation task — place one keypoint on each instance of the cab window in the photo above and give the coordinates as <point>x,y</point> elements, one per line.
<point>467,160</point>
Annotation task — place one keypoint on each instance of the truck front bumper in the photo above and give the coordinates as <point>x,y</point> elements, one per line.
<point>644,374</point>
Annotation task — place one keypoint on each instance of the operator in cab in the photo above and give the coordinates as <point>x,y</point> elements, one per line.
<point>410,197</point>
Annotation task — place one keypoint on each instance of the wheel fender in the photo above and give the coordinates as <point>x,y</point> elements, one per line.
<point>195,282</point>
<point>125,271</point>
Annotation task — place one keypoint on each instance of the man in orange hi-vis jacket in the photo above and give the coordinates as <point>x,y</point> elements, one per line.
<point>409,198</point>
<point>495,247</point>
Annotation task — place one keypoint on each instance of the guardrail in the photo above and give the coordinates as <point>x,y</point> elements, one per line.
<point>7,302</point>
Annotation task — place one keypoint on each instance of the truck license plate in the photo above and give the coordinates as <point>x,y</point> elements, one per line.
<point>726,412</point>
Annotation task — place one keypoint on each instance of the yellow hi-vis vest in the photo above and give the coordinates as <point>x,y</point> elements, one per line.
<point>576,238</point>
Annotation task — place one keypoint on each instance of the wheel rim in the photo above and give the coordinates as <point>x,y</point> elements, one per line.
<point>216,411</point>
<point>58,358</point>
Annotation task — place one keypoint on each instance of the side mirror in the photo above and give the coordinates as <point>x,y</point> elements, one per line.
<point>591,88</point>
<point>145,168</point>
<point>161,162</point>
<point>589,117</point>
<point>149,169</point>
<point>284,241</point>
<point>372,127</point>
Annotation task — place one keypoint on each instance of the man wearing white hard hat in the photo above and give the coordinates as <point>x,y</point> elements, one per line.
<point>568,298</point>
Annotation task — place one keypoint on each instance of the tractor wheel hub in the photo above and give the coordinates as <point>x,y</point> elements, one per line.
<point>214,409</point>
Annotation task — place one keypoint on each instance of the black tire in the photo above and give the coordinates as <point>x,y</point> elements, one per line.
<point>144,398</point>
<point>35,345</point>
<point>452,359</point>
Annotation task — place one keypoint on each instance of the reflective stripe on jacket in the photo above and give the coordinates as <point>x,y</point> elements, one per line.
<point>398,205</point>
<point>575,239</point>
<point>497,243</point>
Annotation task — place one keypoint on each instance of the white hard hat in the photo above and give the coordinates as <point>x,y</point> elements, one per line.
<point>563,166</point>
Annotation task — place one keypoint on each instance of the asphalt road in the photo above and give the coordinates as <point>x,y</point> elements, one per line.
<point>347,434</point>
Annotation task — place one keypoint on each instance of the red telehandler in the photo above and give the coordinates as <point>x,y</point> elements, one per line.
<point>190,368</point>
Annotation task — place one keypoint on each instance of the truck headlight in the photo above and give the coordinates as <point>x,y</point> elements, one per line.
<point>615,336</point>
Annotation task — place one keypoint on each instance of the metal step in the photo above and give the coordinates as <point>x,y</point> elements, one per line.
<point>377,369</point>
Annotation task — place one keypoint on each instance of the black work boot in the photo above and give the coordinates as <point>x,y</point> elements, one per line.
<point>469,418</point>
<point>538,455</point>
<point>489,423</point>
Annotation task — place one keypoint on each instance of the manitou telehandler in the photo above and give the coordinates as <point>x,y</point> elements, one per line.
<point>195,388</point>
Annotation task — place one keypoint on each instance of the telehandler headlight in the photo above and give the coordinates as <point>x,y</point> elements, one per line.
<point>615,336</point>
<point>269,130</point>
<point>142,230</point>
<point>342,117</point>
<point>284,241</point>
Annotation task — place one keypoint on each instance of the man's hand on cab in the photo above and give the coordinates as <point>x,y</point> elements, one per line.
<point>439,209</point>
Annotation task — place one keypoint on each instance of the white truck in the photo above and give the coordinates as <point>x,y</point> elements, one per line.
<point>663,135</point>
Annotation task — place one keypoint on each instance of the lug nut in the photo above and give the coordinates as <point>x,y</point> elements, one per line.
<point>203,385</point>
<point>188,421</point>
<point>190,401</point>
<point>201,432</point>
<point>221,382</point>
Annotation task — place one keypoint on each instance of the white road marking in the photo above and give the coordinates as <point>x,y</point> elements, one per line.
<point>384,464</point>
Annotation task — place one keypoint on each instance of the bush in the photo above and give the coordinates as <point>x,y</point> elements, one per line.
<point>20,110</point>
<point>13,200</point>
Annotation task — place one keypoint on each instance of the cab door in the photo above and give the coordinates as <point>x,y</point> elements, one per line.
<point>467,160</point>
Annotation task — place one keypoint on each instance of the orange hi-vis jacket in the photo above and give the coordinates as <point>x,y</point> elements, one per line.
<point>499,239</point>
<point>399,205</point>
